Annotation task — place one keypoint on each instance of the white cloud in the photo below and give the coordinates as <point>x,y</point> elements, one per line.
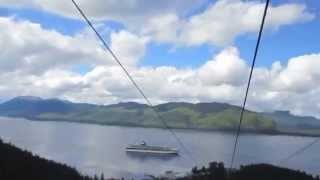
<point>39,61</point>
<point>174,21</point>
<point>36,49</point>
<point>36,61</point>
<point>225,68</point>
<point>163,28</point>
<point>302,74</point>
<point>129,46</point>
<point>125,11</point>
<point>105,85</point>
<point>222,79</point>
<point>223,21</point>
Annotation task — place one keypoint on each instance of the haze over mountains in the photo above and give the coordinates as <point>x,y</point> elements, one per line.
<point>206,116</point>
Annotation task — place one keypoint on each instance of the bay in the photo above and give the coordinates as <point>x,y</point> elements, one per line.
<point>95,149</point>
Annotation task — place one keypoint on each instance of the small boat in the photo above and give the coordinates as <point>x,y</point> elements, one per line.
<point>144,148</point>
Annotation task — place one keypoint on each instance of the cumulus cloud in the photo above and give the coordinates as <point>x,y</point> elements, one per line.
<point>175,22</point>
<point>131,47</point>
<point>222,78</point>
<point>36,49</point>
<point>126,11</point>
<point>222,22</point>
<point>37,61</point>
<point>302,74</point>
<point>40,61</point>
<point>226,68</point>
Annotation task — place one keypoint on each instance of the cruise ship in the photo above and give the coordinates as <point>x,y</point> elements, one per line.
<point>144,148</point>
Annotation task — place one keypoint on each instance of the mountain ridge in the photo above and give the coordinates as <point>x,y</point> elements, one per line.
<point>203,116</point>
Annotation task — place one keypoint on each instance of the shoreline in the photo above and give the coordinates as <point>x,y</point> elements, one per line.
<point>229,131</point>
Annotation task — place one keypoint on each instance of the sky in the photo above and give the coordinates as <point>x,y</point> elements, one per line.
<point>176,50</point>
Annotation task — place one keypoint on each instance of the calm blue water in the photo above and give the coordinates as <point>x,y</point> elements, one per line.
<point>95,149</point>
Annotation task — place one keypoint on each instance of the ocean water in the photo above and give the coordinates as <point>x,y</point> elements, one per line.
<point>101,149</point>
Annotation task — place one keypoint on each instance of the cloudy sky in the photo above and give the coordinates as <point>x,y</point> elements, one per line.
<point>177,50</point>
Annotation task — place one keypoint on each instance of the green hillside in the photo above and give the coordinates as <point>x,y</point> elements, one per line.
<point>205,116</point>
<point>177,115</point>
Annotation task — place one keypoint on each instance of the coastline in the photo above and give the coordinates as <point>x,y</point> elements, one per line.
<point>275,132</point>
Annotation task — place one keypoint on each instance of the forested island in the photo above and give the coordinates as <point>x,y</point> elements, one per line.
<point>200,116</point>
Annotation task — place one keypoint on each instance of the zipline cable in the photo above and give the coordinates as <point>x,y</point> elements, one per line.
<point>248,84</point>
<point>299,151</point>
<point>133,81</point>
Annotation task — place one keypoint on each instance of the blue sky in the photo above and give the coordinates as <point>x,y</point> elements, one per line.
<point>190,50</point>
<point>286,42</point>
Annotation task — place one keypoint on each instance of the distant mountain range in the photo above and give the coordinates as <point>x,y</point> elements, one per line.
<point>204,116</point>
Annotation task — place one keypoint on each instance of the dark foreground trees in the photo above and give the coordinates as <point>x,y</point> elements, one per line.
<point>267,172</point>
<point>16,164</point>
<point>217,171</point>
